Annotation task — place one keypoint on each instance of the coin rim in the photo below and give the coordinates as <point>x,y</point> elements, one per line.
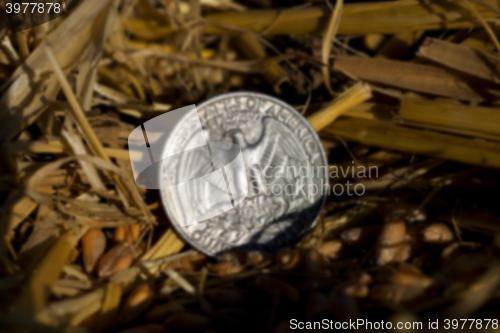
<point>175,225</point>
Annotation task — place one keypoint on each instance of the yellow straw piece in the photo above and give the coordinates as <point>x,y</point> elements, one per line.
<point>357,94</point>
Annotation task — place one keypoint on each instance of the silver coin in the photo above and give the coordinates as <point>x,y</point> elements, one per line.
<point>286,171</point>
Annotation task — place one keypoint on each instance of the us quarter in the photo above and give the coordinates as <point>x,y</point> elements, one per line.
<point>286,171</point>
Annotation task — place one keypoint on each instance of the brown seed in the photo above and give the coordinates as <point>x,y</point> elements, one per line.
<point>289,259</point>
<point>189,263</point>
<point>357,290</point>
<point>361,236</point>
<point>127,233</point>
<point>138,301</point>
<point>393,245</point>
<point>408,278</point>
<point>254,258</point>
<point>331,249</point>
<point>225,268</point>
<point>135,232</point>
<point>373,41</point>
<point>401,284</point>
<point>313,261</point>
<point>362,277</point>
<point>120,233</point>
<point>437,233</point>
<point>187,321</point>
<point>94,244</point>
<point>117,259</point>
<point>160,312</point>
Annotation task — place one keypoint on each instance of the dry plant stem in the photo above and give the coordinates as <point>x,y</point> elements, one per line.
<point>181,281</point>
<point>480,41</point>
<point>329,36</point>
<point>88,77</point>
<point>461,58</point>
<point>35,296</point>
<point>22,43</point>
<point>84,313</point>
<point>362,18</point>
<point>355,95</point>
<point>23,102</point>
<point>9,52</point>
<point>111,77</point>
<point>390,136</point>
<point>74,140</point>
<point>250,66</point>
<point>274,73</point>
<point>82,119</point>
<point>484,23</point>
<point>421,78</point>
<point>57,147</point>
<point>169,243</point>
<point>453,117</point>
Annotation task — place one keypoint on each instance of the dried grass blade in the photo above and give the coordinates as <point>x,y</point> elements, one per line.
<point>58,147</point>
<point>21,209</point>
<point>168,244</point>
<point>417,77</point>
<point>461,58</point>
<point>110,306</point>
<point>84,313</point>
<point>249,66</point>
<point>453,117</point>
<point>484,23</point>
<point>329,36</point>
<point>274,73</point>
<point>70,40</point>
<point>22,43</point>
<point>81,118</point>
<point>357,18</point>
<point>387,135</point>
<point>35,296</point>
<point>78,149</point>
<point>87,76</point>
<point>181,281</point>
<point>355,95</point>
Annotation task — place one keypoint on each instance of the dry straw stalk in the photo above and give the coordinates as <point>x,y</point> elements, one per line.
<point>452,117</point>
<point>352,97</point>
<point>390,136</point>
<point>417,77</point>
<point>461,58</point>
